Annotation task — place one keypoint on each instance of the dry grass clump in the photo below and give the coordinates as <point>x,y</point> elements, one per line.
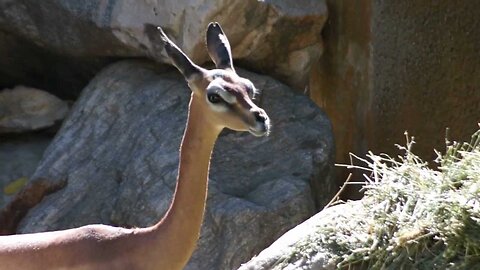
<point>413,217</point>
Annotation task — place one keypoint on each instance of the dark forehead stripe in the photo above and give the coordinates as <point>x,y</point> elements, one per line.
<point>239,91</point>
<point>233,86</point>
<point>224,77</point>
<point>243,86</point>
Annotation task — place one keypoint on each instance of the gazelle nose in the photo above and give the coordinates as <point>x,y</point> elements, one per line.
<point>260,116</point>
<point>261,127</point>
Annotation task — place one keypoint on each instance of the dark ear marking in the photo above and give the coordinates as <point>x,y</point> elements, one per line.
<point>219,47</point>
<point>179,59</point>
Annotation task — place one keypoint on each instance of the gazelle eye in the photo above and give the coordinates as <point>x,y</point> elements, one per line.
<point>214,98</point>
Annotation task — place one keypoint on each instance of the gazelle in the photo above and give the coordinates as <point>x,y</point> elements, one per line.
<point>220,98</point>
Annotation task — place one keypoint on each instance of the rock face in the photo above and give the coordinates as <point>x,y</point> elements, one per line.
<point>395,66</point>
<point>27,109</point>
<point>276,37</point>
<point>19,158</point>
<point>114,161</point>
<point>286,253</point>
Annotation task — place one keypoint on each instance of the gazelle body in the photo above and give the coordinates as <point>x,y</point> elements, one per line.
<point>219,99</point>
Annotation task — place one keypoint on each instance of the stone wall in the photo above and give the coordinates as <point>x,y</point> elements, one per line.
<point>396,66</point>
<point>426,72</point>
<point>341,81</point>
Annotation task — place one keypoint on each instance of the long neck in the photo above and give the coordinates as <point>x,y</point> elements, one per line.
<point>180,228</point>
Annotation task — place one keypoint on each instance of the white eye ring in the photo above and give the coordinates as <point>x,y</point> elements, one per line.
<point>227,97</point>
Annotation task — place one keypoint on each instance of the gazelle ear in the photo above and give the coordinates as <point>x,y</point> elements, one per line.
<point>218,47</point>
<point>179,59</point>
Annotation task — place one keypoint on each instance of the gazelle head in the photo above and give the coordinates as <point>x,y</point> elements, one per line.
<point>225,96</point>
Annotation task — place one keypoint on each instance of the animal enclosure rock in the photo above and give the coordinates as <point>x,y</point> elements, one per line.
<point>117,157</point>
<point>19,158</point>
<point>392,66</point>
<point>279,38</point>
<point>26,109</point>
<point>289,252</point>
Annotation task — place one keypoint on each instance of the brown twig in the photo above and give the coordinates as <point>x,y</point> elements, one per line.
<point>337,195</point>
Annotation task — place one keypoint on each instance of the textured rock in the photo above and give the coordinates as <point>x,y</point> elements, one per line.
<point>26,109</point>
<point>286,253</point>
<point>19,158</point>
<point>26,63</point>
<point>275,37</point>
<point>429,82</point>
<point>116,156</point>
<point>391,66</point>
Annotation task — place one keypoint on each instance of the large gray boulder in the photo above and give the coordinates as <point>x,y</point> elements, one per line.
<point>275,37</point>
<point>115,160</point>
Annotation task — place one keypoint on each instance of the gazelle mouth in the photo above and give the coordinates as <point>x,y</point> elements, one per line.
<point>261,127</point>
<point>260,132</point>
